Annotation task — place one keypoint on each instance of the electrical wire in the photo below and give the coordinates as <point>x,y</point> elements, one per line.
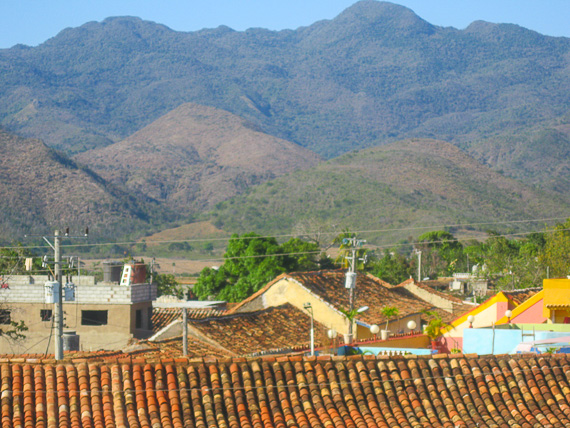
<point>336,232</point>
<point>384,246</point>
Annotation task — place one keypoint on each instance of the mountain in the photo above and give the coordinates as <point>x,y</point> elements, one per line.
<point>375,74</point>
<point>196,156</point>
<point>42,190</point>
<point>395,190</point>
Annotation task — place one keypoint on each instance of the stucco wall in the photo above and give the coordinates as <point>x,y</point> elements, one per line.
<point>533,314</point>
<point>394,327</point>
<point>432,298</point>
<point>116,334</point>
<point>480,341</point>
<point>485,318</point>
<point>292,292</point>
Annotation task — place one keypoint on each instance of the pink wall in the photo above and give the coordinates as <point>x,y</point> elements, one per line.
<point>451,342</point>
<point>501,309</point>
<point>532,315</point>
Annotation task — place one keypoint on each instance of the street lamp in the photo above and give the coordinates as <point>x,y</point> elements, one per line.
<point>331,333</point>
<point>309,308</point>
<point>374,329</point>
<point>508,314</point>
<point>470,320</point>
<point>411,325</point>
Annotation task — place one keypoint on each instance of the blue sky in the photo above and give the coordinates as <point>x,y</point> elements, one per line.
<point>32,22</point>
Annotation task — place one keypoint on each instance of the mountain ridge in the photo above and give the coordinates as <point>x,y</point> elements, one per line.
<point>375,74</point>
<point>195,156</point>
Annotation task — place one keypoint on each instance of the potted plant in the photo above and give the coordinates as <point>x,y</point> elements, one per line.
<point>389,312</point>
<point>435,328</point>
<point>350,315</point>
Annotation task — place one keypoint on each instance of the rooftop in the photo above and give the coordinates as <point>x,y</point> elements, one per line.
<point>162,317</point>
<point>460,390</point>
<point>370,291</point>
<point>276,328</point>
<point>519,296</point>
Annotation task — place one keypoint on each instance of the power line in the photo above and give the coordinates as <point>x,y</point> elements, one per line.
<point>383,246</point>
<point>336,232</point>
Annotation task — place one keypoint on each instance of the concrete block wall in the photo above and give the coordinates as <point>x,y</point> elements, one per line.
<point>103,293</point>
<point>143,292</point>
<point>28,289</point>
<point>83,280</point>
<point>24,288</point>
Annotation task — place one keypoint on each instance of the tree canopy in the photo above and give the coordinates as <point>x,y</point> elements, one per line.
<point>251,261</point>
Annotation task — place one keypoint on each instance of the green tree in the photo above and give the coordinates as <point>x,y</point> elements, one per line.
<point>389,312</point>
<point>436,326</point>
<point>251,261</point>
<point>442,253</point>
<point>514,263</point>
<point>556,251</point>
<point>167,285</point>
<point>393,268</point>
<point>346,242</point>
<point>12,262</point>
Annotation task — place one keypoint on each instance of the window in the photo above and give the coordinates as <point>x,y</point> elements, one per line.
<point>46,314</point>
<point>138,320</point>
<point>94,317</point>
<point>149,319</point>
<point>5,316</point>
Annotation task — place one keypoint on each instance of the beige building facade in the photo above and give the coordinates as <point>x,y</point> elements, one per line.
<point>103,315</point>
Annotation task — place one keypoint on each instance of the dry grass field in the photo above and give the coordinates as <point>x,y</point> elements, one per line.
<point>203,230</point>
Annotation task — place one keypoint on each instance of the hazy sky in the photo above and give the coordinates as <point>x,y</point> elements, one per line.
<point>32,22</point>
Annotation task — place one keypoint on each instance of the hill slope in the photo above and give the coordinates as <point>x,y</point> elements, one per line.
<point>41,190</point>
<point>196,156</point>
<point>402,185</point>
<point>374,74</point>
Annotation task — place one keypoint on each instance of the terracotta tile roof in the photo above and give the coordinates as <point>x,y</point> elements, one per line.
<point>172,348</point>
<point>459,307</point>
<point>426,286</point>
<point>519,296</point>
<point>370,291</point>
<point>447,317</point>
<point>408,391</point>
<point>273,329</point>
<point>442,282</point>
<point>161,317</point>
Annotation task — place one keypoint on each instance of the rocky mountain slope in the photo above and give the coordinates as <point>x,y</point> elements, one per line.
<point>196,156</point>
<point>42,190</point>
<point>374,74</point>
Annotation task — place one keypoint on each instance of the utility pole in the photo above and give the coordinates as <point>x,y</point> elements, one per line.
<point>351,276</point>
<point>419,265</point>
<point>58,291</point>
<point>185,332</point>
<point>58,303</point>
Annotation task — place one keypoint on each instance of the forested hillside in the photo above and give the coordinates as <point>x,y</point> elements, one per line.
<point>391,192</point>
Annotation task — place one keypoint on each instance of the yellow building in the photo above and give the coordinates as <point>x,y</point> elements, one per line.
<point>556,307</point>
